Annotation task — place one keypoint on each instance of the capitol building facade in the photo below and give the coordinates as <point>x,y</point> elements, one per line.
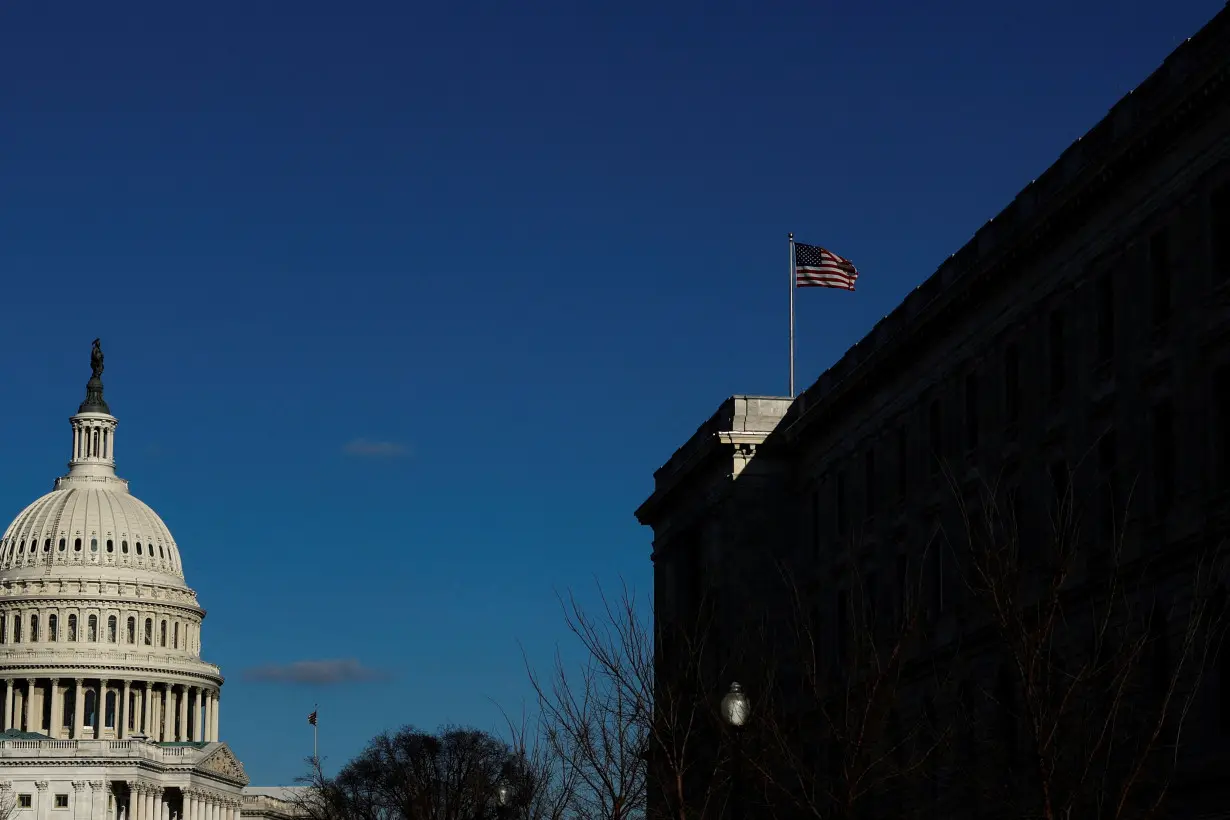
<point>108,710</point>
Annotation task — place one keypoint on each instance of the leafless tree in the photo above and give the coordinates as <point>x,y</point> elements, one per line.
<point>840,729</point>
<point>548,780</point>
<point>635,725</point>
<point>1102,643</point>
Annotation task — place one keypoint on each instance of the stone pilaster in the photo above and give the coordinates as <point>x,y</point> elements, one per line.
<point>79,801</point>
<point>41,799</point>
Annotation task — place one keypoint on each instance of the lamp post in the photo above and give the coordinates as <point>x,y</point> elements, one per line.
<point>503,799</point>
<point>736,709</point>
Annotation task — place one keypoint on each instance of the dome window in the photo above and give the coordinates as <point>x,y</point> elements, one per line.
<point>131,632</point>
<point>149,632</point>
<point>110,546</point>
<point>72,627</point>
<point>92,626</point>
<point>93,545</point>
<point>124,547</point>
<point>138,548</point>
<point>63,544</point>
<point>160,552</point>
<point>53,627</point>
<point>162,634</point>
<point>111,626</point>
<point>175,636</point>
<point>76,545</point>
<point>4,635</point>
<point>16,629</point>
<point>33,629</point>
<point>47,545</point>
<point>21,547</point>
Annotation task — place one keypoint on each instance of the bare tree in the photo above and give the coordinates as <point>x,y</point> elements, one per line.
<point>840,730</point>
<point>1102,644</point>
<point>546,783</point>
<point>635,721</point>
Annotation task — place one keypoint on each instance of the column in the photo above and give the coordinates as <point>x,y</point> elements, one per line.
<point>8,702</point>
<point>78,797</point>
<point>121,711</point>
<point>147,722</point>
<point>182,734</point>
<point>41,799</point>
<point>100,707</point>
<point>78,708</point>
<point>190,804</point>
<point>57,708</point>
<point>164,710</point>
<point>217,705</point>
<point>147,803</point>
<point>29,704</point>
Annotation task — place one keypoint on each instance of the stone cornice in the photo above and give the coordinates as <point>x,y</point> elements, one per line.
<point>1175,100</point>
<point>739,426</point>
<point>14,603</point>
<point>157,673</point>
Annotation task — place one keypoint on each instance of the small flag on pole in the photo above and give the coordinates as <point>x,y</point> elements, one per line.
<point>815,267</point>
<point>312,718</point>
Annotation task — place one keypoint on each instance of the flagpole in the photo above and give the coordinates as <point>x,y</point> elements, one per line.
<point>315,729</point>
<point>790,240</point>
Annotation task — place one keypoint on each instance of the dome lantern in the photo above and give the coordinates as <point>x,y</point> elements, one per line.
<point>93,428</point>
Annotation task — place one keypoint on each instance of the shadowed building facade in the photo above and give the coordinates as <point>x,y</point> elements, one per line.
<point>1079,343</point>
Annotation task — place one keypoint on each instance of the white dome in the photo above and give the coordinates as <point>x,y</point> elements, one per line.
<point>102,528</point>
<point>92,588</point>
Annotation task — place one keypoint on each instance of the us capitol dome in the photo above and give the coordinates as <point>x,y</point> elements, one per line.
<point>108,710</point>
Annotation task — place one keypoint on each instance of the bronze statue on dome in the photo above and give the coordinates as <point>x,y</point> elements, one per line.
<point>96,360</point>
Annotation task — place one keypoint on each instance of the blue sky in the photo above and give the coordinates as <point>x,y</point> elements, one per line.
<point>403,302</point>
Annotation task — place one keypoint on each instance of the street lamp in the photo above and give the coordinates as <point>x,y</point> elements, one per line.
<point>736,709</point>
<point>503,798</point>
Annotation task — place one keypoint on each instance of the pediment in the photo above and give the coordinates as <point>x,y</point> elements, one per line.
<point>223,762</point>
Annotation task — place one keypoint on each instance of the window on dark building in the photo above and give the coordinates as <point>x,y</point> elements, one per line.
<point>869,479</point>
<point>1163,456</point>
<point>971,411</point>
<point>842,641</point>
<point>1059,481</point>
<point>1058,353</point>
<point>903,475</point>
<point>815,540</point>
<point>1159,277</point>
<point>1221,427</point>
<point>1105,295</point>
<point>935,438</point>
<point>839,502</point>
<point>1108,459</point>
<point>1219,226</point>
<point>1012,384</point>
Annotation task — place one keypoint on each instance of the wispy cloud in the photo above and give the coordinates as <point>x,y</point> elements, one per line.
<point>368,448</point>
<point>321,673</point>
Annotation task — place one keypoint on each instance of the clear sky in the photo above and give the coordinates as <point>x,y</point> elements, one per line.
<point>404,302</point>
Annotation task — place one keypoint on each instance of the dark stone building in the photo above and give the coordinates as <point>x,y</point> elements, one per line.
<point>1078,346</point>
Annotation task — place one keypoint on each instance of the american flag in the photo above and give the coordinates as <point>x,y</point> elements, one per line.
<point>814,267</point>
<point>312,718</point>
